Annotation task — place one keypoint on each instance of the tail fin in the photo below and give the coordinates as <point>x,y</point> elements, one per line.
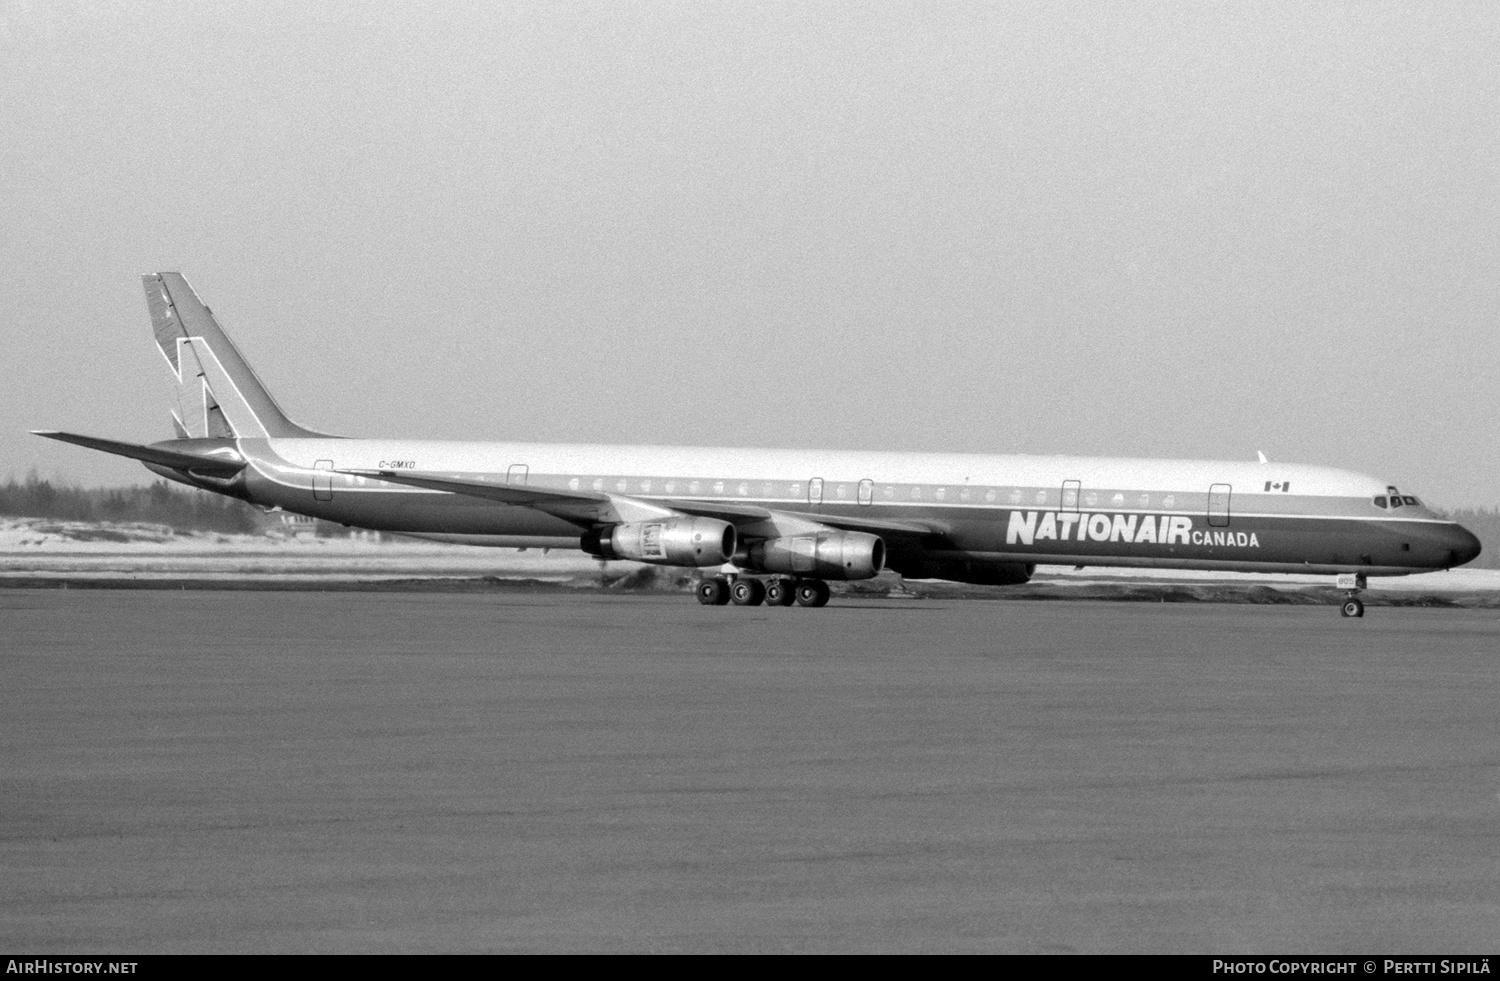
<point>218,394</point>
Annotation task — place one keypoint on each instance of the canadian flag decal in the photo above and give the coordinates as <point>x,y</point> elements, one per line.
<point>1274,485</point>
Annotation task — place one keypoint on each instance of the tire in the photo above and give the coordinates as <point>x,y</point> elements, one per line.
<point>747,592</point>
<point>781,592</point>
<point>1353,608</point>
<point>812,592</point>
<point>713,592</point>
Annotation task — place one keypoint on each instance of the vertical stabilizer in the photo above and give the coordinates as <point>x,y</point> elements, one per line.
<point>218,394</point>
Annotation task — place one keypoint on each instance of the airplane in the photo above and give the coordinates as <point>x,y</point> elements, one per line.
<point>779,524</point>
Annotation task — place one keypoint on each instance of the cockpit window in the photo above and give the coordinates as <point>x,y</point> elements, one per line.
<point>1396,500</point>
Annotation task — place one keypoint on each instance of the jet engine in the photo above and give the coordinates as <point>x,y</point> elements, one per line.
<point>827,555</point>
<point>670,541</point>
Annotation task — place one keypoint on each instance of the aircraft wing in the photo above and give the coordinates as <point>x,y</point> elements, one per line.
<point>216,465</point>
<point>595,507</point>
<point>583,507</point>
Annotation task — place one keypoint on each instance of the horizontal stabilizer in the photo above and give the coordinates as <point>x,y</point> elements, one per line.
<point>217,465</point>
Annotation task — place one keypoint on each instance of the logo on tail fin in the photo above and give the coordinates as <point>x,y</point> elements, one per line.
<point>218,395</point>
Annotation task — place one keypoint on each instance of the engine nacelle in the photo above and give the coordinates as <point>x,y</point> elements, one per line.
<point>670,541</point>
<point>828,555</point>
<point>975,571</point>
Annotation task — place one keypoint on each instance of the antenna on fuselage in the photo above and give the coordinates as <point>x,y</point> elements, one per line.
<point>1262,456</point>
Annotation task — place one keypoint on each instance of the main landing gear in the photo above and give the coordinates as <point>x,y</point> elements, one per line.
<point>1351,583</point>
<point>745,591</point>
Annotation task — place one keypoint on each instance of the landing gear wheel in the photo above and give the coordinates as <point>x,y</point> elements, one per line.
<point>747,592</point>
<point>812,592</point>
<point>713,592</point>
<point>1353,608</point>
<point>781,592</point>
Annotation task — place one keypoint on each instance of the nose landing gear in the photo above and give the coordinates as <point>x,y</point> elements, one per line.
<point>1352,583</point>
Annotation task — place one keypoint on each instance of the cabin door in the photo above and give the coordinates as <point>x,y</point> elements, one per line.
<point>323,481</point>
<point>1218,505</point>
<point>1070,490</point>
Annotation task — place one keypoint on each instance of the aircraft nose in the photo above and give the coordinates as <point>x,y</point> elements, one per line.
<point>1463,545</point>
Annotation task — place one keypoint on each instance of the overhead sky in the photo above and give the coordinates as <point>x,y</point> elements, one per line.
<point>1133,229</point>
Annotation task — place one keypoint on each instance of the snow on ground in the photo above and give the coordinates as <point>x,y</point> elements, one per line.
<point>32,547</point>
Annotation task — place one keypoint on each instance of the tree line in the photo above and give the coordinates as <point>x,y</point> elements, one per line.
<point>161,503</point>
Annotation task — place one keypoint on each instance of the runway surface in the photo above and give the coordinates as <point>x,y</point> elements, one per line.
<point>242,771</point>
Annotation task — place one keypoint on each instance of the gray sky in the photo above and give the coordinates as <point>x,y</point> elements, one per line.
<point>1132,229</point>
